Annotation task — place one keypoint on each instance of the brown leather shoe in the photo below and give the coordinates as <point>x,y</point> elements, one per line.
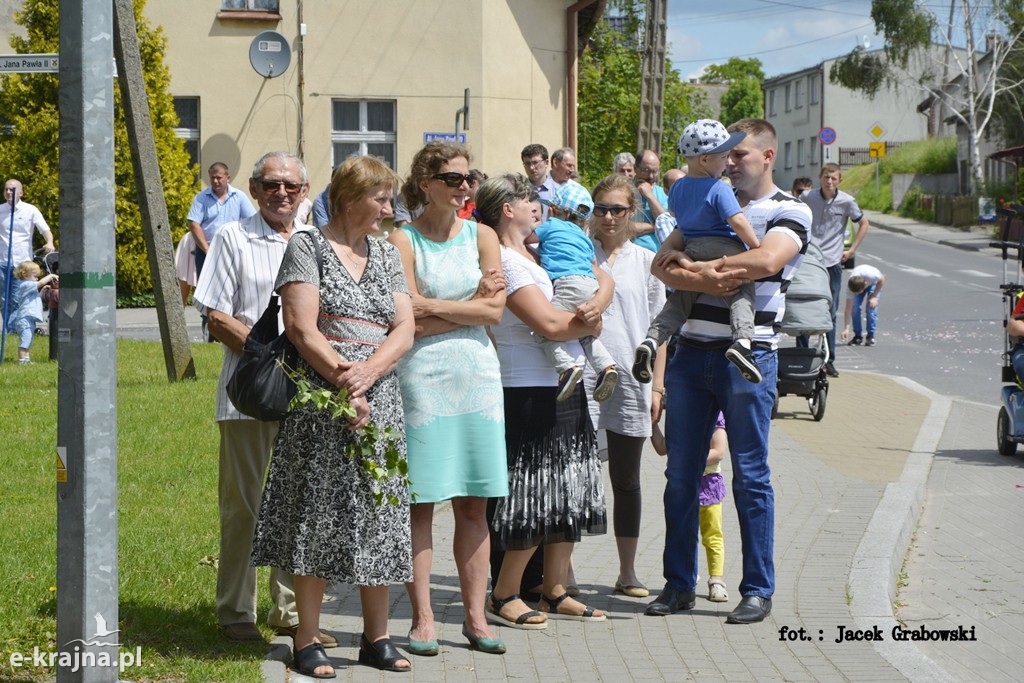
<point>326,639</point>
<point>245,632</point>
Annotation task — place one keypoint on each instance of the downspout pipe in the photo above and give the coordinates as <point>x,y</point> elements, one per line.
<point>571,64</point>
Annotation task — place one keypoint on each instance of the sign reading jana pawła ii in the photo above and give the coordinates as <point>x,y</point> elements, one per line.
<point>28,64</point>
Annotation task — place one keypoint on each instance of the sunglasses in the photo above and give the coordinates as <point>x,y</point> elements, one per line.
<point>601,210</point>
<point>453,179</point>
<point>270,186</point>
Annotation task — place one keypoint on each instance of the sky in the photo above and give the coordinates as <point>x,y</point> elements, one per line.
<point>785,35</point>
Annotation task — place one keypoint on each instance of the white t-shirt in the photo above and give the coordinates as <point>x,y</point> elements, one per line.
<point>523,363</point>
<point>870,274</point>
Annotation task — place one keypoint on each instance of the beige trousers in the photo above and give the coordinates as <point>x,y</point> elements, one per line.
<point>245,447</point>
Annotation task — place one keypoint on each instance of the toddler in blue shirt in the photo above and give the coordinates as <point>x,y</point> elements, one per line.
<point>567,256</point>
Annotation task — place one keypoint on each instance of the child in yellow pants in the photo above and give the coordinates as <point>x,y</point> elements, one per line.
<point>712,493</point>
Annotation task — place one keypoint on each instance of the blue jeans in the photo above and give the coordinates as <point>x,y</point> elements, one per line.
<point>1017,357</point>
<point>699,383</point>
<point>872,313</point>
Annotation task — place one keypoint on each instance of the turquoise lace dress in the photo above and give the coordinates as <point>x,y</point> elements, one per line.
<point>451,384</point>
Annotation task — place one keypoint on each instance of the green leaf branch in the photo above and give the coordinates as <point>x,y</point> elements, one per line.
<point>364,444</point>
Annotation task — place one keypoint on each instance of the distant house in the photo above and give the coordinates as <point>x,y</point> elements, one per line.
<point>802,103</point>
<point>992,139</point>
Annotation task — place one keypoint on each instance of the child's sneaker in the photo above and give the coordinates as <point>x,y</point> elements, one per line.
<point>567,382</point>
<point>870,341</point>
<point>740,356</point>
<point>606,382</point>
<point>643,361</point>
<point>716,590</point>
<point>858,340</point>
<point>24,361</point>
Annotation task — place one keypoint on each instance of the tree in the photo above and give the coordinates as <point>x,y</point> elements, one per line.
<point>973,82</point>
<point>743,100</point>
<point>735,69</point>
<point>30,144</point>
<point>609,108</point>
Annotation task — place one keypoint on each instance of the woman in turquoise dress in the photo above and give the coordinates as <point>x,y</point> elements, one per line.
<point>451,385</point>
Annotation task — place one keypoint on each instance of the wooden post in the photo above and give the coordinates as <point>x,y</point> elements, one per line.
<point>152,205</point>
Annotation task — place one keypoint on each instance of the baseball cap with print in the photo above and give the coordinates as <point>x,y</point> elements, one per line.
<point>572,197</point>
<point>707,136</point>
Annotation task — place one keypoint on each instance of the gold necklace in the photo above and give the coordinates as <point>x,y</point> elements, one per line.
<point>341,249</point>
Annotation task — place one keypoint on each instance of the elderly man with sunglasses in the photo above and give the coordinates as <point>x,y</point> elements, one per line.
<point>244,258</point>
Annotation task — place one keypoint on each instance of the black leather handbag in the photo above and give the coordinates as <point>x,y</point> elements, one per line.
<point>259,387</point>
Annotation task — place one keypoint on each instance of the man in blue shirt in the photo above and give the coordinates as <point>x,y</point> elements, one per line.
<point>654,201</point>
<point>213,207</point>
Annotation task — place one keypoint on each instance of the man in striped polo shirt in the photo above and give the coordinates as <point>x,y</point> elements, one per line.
<point>701,381</point>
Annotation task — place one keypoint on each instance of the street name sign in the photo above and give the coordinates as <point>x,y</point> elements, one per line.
<point>29,64</point>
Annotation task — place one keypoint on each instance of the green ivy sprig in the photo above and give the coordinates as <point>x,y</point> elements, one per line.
<point>363,447</point>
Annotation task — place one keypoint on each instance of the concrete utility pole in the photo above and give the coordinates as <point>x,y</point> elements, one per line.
<point>87,381</point>
<point>652,85</point>
<point>153,207</point>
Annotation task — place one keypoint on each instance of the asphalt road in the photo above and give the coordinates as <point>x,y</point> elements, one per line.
<point>940,317</point>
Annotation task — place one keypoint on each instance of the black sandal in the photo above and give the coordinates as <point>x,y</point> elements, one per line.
<point>381,654</point>
<point>308,659</point>
<point>521,621</point>
<point>553,603</point>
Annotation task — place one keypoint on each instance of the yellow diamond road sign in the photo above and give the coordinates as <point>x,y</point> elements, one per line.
<point>876,131</point>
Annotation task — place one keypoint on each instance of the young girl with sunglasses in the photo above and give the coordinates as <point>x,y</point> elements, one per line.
<point>626,418</point>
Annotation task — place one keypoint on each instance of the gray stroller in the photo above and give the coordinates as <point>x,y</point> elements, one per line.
<point>808,312</point>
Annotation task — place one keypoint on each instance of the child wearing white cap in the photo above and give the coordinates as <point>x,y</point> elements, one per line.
<point>567,256</point>
<point>710,225</point>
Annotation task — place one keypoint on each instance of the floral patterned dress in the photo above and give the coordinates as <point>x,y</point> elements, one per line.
<point>318,516</point>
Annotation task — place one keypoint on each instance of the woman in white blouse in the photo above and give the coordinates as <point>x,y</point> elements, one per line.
<point>626,417</point>
<point>556,493</point>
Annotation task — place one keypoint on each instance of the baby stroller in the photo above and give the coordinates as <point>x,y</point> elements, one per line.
<point>1010,423</point>
<point>808,312</point>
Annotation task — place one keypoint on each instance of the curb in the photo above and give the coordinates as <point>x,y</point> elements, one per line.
<point>878,561</point>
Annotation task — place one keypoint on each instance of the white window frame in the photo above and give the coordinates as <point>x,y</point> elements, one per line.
<point>250,6</point>
<point>789,97</point>
<point>814,151</point>
<point>788,155</point>
<point>812,89</point>
<point>364,137</point>
<point>192,135</point>
<point>771,102</point>
<point>799,94</point>
<point>800,153</point>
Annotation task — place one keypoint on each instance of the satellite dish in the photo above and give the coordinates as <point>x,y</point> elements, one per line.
<point>270,54</point>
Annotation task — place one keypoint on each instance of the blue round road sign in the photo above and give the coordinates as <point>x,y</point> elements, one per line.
<point>827,136</point>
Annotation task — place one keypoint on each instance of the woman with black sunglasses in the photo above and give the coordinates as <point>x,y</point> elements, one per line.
<point>626,417</point>
<point>451,385</point>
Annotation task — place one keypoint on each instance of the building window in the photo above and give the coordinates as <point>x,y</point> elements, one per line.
<point>814,151</point>
<point>250,5</point>
<point>813,88</point>
<point>187,109</point>
<point>363,127</point>
<point>771,102</point>
<point>789,100</point>
<point>788,155</point>
<point>800,152</point>
<point>799,94</point>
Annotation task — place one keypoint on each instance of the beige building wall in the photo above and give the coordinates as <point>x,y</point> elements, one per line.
<point>422,55</point>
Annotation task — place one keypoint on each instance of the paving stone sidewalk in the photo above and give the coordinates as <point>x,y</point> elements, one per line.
<point>829,478</point>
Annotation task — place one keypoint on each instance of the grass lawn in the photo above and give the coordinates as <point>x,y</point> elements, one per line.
<point>169,537</point>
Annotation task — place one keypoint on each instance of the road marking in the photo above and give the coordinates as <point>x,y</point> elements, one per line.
<point>916,271</point>
<point>976,273</point>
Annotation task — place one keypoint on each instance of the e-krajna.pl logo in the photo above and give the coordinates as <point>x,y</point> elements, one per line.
<point>74,657</point>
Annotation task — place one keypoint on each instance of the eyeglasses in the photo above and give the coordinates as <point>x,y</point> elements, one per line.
<point>583,211</point>
<point>271,186</point>
<point>602,210</point>
<point>453,179</point>
<point>535,162</point>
